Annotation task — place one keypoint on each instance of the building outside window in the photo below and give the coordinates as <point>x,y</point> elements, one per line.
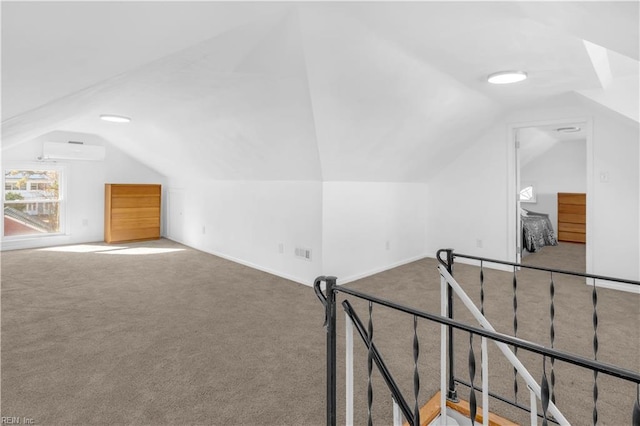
<point>32,202</point>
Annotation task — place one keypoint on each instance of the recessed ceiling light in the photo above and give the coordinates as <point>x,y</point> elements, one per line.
<point>115,118</point>
<point>506,77</point>
<point>570,129</point>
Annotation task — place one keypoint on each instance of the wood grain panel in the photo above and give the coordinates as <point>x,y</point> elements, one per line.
<point>572,217</point>
<point>572,227</point>
<point>572,198</point>
<point>142,212</point>
<point>131,190</point>
<point>132,212</point>
<point>573,237</point>
<point>135,234</point>
<point>130,202</point>
<point>146,222</point>
<point>571,208</point>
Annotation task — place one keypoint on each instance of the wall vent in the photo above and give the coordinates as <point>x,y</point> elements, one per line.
<point>303,253</point>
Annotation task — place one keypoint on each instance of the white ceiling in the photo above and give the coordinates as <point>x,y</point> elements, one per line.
<point>535,141</point>
<point>361,91</point>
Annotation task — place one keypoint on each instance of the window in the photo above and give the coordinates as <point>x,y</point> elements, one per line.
<point>14,185</point>
<point>527,194</point>
<point>39,186</point>
<point>32,202</point>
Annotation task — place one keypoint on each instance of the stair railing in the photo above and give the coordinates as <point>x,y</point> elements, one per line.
<point>446,259</point>
<point>401,407</point>
<point>534,387</point>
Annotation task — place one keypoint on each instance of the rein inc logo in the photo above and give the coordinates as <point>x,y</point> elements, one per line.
<point>16,420</point>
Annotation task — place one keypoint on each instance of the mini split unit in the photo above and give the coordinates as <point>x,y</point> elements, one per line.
<point>72,151</point>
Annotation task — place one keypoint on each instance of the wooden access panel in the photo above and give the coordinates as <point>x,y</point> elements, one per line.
<point>572,217</point>
<point>131,212</point>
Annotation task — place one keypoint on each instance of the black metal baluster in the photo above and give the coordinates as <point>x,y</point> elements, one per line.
<point>481,288</point>
<point>452,394</point>
<point>370,366</point>
<point>594,298</point>
<point>329,302</point>
<point>416,376</point>
<point>482,354</point>
<point>515,331</point>
<point>635,417</point>
<point>544,392</point>
<point>473,408</point>
<point>552,334</point>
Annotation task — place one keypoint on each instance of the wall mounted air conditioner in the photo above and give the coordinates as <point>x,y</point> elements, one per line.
<point>72,151</point>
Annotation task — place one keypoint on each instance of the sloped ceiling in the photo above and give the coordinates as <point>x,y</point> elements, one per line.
<point>303,91</point>
<point>536,141</point>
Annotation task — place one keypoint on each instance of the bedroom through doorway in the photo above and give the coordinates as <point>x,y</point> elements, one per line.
<point>551,184</point>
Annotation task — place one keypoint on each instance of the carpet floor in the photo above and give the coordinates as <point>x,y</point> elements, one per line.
<point>157,333</point>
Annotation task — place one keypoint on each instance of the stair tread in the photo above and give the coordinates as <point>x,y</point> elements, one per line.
<point>431,410</point>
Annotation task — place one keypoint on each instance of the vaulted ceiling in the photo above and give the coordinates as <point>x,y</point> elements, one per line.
<point>380,91</point>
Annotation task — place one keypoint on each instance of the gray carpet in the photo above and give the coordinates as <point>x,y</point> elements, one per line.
<point>188,338</point>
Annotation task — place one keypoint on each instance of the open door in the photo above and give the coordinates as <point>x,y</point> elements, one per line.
<point>549,158</point>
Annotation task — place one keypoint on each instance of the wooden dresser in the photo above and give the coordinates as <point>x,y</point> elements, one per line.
<point>572,217</point>
<point>131,212</point>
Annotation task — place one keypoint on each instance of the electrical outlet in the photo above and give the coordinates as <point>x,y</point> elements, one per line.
<point>604,177</point>
<point>303,253</point>
<point>280,248</point>
<point>85,222</point>
<point>204,230</point>
<point>479,243</point>
<point>387,245</point>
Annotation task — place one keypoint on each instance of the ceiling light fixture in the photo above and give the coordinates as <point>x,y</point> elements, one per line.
<point>506,77</point>
<point>570,129</point>
<point>115,118</point>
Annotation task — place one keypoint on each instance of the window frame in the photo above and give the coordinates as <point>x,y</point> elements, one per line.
<point>525,185</point>
<point>61,170</point>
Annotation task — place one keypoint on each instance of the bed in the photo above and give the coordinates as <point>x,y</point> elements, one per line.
<point>537,231</point>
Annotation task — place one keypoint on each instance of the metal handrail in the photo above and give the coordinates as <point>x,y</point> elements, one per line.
<point>563,356</point>
<point>329,301</point>
<point>538,268</point>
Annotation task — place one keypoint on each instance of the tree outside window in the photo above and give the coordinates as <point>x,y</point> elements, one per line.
<point>31,202</point>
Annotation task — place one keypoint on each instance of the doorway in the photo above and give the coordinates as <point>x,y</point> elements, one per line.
<point>175,222</point>
<point>548,158</point>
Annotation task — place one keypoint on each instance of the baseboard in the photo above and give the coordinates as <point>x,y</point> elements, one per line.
<point>360,276</point>
<point>630,288</point>
<point>297,280</point>
<point>39,242</point>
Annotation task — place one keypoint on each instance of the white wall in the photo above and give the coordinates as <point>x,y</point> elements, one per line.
<point>346,224</point>
<point>361,218</point>
<point>467,201</point>
<point>470,200</point>
<point>246,221</point>
<point>84,186</point>
<point>616,202</point>
<point>563,168</point>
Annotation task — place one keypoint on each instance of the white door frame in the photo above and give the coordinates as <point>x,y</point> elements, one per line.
<point>512,190</point>
<point>173,223</point>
